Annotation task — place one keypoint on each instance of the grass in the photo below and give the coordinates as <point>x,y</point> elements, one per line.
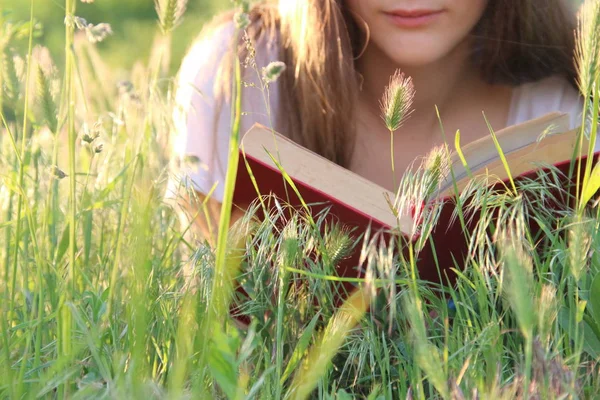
<point>106,294</point>
<point>134,23</point>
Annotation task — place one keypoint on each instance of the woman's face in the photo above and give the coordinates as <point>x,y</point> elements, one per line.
<point>417,32</point>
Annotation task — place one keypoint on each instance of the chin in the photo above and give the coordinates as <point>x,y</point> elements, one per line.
<point>417,53</point>
<point>415,60</point>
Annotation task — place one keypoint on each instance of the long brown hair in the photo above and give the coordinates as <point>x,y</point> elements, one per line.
<point>516,41</point>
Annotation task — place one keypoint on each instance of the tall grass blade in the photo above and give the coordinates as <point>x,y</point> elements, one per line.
<point>221,288</point>
<point>501,154</point>
<point>319,356</point>
<point>300,348</point>
<point>427,355</point>
<point>461,155</point>
<point>590,188</point>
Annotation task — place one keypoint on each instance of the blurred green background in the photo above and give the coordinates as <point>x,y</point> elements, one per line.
<point>134,23</point>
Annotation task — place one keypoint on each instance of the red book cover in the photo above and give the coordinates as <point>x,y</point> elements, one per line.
<point>450,242</point>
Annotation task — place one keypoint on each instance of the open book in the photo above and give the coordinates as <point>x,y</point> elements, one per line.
<point>356,201</point>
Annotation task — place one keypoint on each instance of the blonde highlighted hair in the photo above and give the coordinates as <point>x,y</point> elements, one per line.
<point>516,41</point>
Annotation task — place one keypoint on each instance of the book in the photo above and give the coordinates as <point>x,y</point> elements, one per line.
<point>359,203</point>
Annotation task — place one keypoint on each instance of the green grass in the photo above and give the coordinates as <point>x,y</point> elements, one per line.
<point>105,293</point>
<point>134,23</point>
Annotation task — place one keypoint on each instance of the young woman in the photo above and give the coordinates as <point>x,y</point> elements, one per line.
<point>511,59</point>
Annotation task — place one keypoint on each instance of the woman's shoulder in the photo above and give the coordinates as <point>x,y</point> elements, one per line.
<point>202,120</point>
<point>206,53</point>
<point>214,42</point>
<point>200,70</point>
<point>554,93</point>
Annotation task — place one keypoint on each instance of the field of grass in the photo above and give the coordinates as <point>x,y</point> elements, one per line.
<point>133,22</point>
<point>106,293</point>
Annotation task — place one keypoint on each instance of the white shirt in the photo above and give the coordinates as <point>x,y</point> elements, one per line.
<point>194,114</point>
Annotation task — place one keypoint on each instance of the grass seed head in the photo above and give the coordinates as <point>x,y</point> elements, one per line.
<point>437,167</point>
<point>170,13</point>
<point>338,243</point>
<point>518,287</point>
<point>397,101</point>
<point>89,135</point>
<point>97,33</point>
<point>241,20</point>
<point>10,75</point>
<point>46,100</point>
<point>250,60</point>
<point>587,45</point>
<point>547,310</point>
<point>57,172</point>
<point>75,21</point>
<point>87,138</point>
<point>273,71</point>
<point>579,246</point>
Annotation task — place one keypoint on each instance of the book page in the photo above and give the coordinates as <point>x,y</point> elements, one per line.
<point>318,172</point>
<point>549,151</point>
<point>483,151</point>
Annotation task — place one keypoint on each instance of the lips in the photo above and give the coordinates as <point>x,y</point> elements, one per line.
<point>413,19</point>
<point>413,13</point>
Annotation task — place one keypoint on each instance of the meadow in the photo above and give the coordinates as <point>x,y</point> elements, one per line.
<point>133,22</point>
<point>107,293</point>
